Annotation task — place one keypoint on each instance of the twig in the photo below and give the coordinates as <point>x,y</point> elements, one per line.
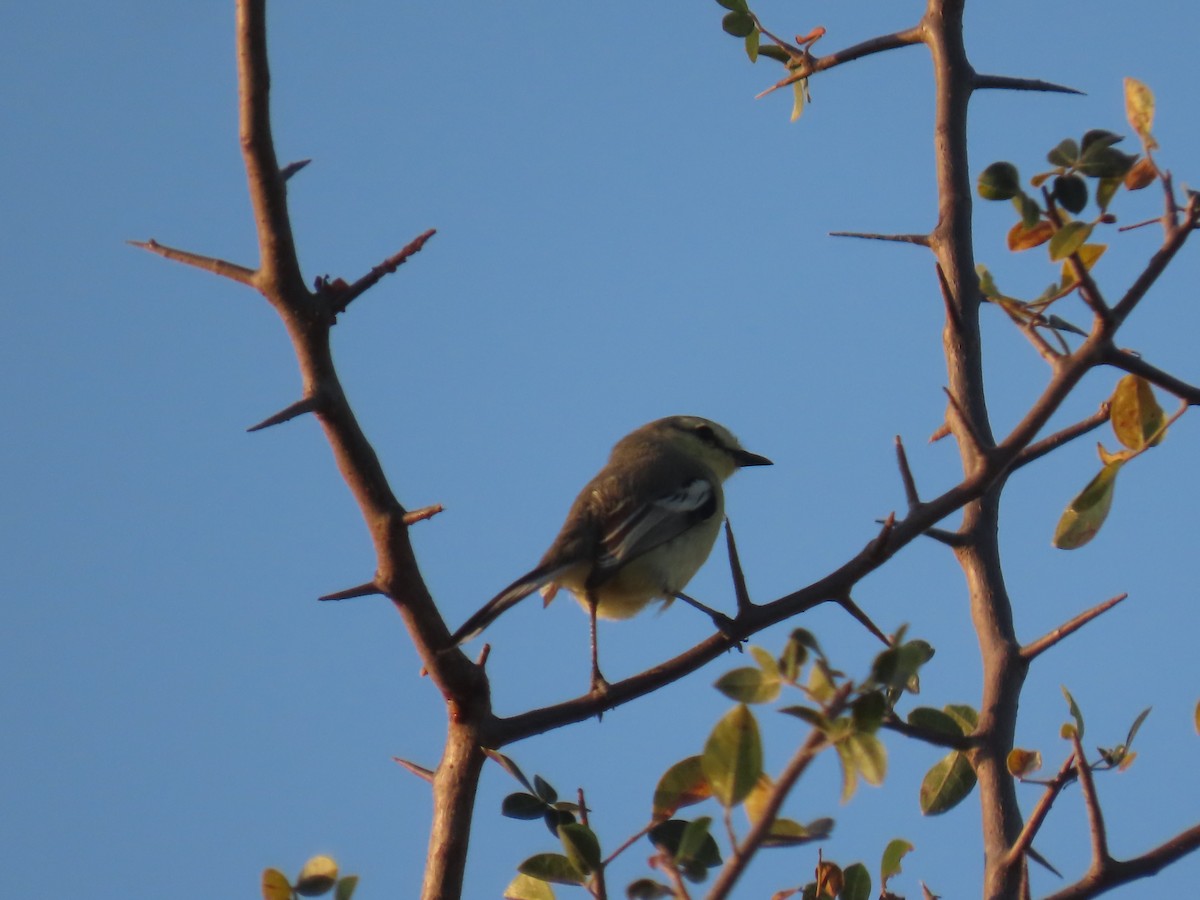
<point>1054,441</point>
<point>1066,774</point>
<point>813,64</point>
<point>1176,238</point>
<point>1091,801</point>
<point>1135,365</point>
<point>928,735</point>
<point>742,854</point>
<point>345,296</point>
<point>949,538</point>
<point>1120,872</point>
<point>1032,650</point>
<point>600,892</point>
<point>221,267</point>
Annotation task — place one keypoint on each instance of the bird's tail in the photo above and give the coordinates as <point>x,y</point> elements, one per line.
<point>507,598</point>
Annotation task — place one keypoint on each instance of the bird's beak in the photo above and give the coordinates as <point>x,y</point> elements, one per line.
<point>746,458</point>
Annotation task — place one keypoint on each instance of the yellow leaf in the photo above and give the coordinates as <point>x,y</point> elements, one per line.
<point>275,885</point>
<point>1139,110</point>
<point>1088,254</point>
<point>800,93</point>
<point>1087,512</point>
<point>1022,238</point>
<point>1023,762</point>
<point>1141,175</point>
<point>1135,414</point>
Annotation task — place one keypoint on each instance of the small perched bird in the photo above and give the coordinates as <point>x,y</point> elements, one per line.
<point>637,531</point>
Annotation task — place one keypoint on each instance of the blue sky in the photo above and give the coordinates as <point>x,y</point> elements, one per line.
<point>624,233</point>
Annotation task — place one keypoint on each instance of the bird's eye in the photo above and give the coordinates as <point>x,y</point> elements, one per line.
<point>706,434</point>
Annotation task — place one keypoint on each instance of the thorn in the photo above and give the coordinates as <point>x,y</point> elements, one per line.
<point>851,607</point>
<point>949,538</point>
<point>299,408</point>
<point>735,569</point>
<point>292,168</point>
<point>880,540</point>
<point>906,475</point>
<point>420,515</point>
<point>1042,861</point>
<point>419,771</point>
<point>942,431</point>
<point>362,590</point>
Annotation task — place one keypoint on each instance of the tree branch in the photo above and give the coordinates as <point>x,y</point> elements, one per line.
<point>1120,872</point>
<point>1059,438</point>
<point>345,296</point>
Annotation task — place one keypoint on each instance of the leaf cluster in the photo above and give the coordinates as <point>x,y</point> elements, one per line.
<point>318,877</point>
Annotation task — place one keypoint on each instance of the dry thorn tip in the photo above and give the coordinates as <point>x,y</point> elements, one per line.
<point>420,771</point>
<point>362,590</point>
<point>420,515</point>
<point>299,408</point>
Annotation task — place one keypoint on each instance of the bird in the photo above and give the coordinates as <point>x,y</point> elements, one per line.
<point>639,530</point>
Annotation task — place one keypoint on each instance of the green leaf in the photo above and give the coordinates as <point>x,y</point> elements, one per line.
<point>774,52</point>
<point>738,23</point>
<point>558,815</point>
<point>1097,140</point>
<point>947,784</point>
<point>1071,193</point>
<point>1105,162</point>
<point>732,759</point>
<point>526,887</point>
<point>1135,414</point>
<point>869,756</point>
<point>1087,512</point>
<point>867,711</point>
<point>1075,712</point>
<point>752,45</point>
<point>746,685</point>
<point>799,96</point>
<point>345,887</point>
<point>510,767</point>
<point>1068,239</point>
<point>792,661</point>
<point>552,867</point>
<point>275,885</point>
<point>1066,154</point>
<point>647,889</point>
<point>582,847</point>
<point>1106,190</point>
<point>542,788</point>
<point>813,717</point>
<point>966,716</point>
<point>935,720</point>
<point>820,682</point>
<point>1028,209</point>
<point>1137,723</point>
<point>681,785</point>
<point>318,877</point>
<point>889,865</point>
<point>669,837</point>
<point>522,806</point>
<point>856,883</point>
<point>735,5</point>
<point>999,181</point>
